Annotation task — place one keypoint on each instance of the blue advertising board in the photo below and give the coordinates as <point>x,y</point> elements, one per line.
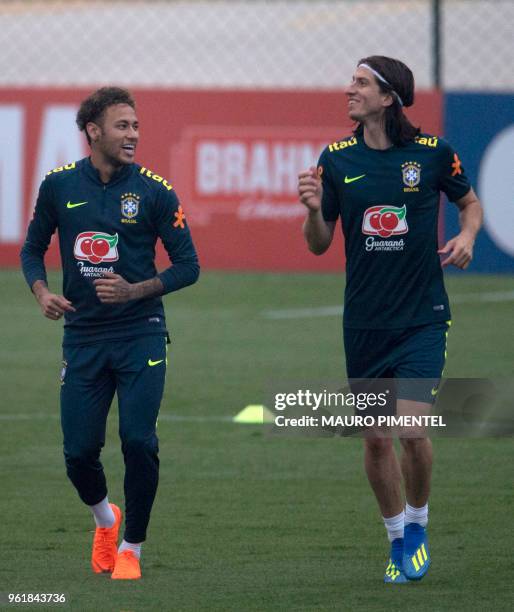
<point>481,129</point>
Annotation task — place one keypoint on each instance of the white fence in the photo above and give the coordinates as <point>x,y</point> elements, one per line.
<point>250,44</point>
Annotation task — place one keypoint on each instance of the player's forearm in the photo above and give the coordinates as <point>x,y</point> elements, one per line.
<point>146,289</point>
<point>316,232</point>
<point>32,265</point>
<point>112,288</point>
<point>39,288</point>
<point>470,218</point>
<point>184,272</point>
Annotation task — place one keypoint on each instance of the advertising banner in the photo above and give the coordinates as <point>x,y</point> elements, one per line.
<point>481,128</point>
<point>232,156</point>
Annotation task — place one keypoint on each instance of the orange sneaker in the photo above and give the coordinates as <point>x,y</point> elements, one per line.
<point>105,544</point>
<point>127,566</point>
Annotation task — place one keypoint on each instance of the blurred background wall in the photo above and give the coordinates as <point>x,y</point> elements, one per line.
<point>235,97</point>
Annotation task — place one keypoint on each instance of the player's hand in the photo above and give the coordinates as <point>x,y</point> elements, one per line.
<point>113,289</point>
<point>459,251</point>
<point>52,305</point>
<point>310,189</point>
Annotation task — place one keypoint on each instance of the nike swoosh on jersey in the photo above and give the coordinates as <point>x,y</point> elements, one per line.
<point>154,363</point>
<point>434,391</point>
<point>347,179</point>
<point>74,205</point>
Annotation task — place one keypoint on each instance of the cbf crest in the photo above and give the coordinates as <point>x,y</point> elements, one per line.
<point>411,174</point>
<point>129,207</point>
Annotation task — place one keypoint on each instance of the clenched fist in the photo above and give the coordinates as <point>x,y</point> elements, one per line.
<point>310,189</point>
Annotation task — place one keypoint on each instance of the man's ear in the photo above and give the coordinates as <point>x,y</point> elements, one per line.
<point>387,100</point>
<point>93,130</point>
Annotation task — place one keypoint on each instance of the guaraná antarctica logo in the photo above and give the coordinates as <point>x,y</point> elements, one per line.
<point>96,247</point>
<point>385,221</point>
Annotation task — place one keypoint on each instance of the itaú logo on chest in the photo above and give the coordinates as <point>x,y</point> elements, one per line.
<point>96,247</point>
<point>385,221</point>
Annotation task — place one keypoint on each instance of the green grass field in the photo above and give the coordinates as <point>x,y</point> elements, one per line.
<point>244,520</point>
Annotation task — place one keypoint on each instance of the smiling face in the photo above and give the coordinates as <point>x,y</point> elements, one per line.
<point>114,138</point>
<point>365,99</point>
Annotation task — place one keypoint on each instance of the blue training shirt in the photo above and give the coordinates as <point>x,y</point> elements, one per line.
<point>388,201</point>
<point>111,227</point>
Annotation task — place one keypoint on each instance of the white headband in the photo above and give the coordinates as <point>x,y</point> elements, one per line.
<point>381,78</point>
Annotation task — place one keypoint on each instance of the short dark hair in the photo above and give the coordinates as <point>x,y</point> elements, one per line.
<point>400,80</point>
<point>93,107</point>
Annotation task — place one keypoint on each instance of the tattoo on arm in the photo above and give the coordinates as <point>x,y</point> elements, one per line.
<point>149,288</point>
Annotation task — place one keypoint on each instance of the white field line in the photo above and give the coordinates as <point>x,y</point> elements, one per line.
<point>303,313</point>
<point>491,296</point>
<point>335,311</point>
<point>39,416</point>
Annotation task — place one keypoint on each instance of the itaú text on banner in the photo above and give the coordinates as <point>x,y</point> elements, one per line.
<point>232,156</point>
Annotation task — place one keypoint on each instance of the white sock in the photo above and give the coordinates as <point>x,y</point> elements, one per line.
<point>416,515</point>
<point>135,548</point>
<point>104,516</point>
<point>394,526</point>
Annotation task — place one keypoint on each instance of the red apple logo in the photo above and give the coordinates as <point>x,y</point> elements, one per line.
<point>96,247</point>
<point>389,221</point>
<point>385,221</point>
<point>374,221</point>
<point>100,247</point>
<point>86,246</point>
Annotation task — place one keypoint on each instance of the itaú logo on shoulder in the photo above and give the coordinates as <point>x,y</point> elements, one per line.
<point>96,247</point>
<point>385,221</point>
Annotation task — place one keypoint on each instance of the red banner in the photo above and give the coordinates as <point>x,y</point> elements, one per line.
<point>232,156</point>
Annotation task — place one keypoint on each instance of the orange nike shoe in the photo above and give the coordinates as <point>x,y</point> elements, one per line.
<point>127,566</point>
<point>105,544</point>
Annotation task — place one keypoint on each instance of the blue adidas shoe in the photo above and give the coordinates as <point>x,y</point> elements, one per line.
<point>416,557</point>
<point>394,570</point>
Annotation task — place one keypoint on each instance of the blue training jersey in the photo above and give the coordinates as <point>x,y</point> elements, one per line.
<point>388,201</point>
<point>110,227</point>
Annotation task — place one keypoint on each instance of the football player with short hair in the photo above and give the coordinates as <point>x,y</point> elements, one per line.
<point>109,213</point>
